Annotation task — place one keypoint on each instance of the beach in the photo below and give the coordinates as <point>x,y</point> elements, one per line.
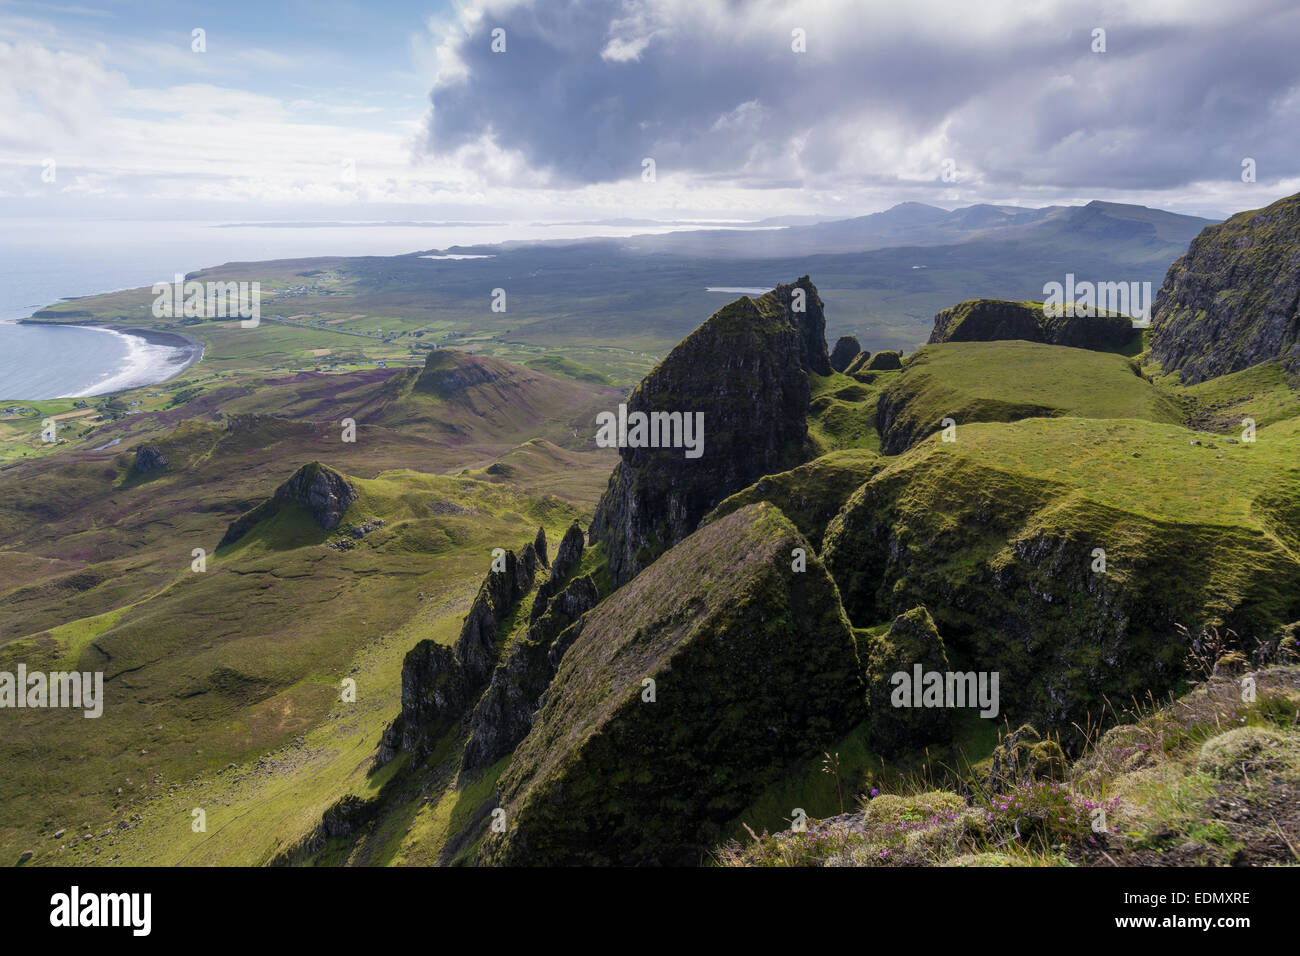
<point>41,360</point>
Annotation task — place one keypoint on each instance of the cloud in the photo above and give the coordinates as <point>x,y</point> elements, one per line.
<point>1013,93</point>
<point>50,93</point>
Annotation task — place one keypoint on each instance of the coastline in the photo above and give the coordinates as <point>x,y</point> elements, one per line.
<point>147,362</point>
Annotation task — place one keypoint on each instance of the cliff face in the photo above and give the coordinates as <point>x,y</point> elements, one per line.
<point>319,489</point>
<point>988,320</point>
<point>746,369</point>
<point>686,693</point>
<point>1234,299</point>
<point>504,714</point>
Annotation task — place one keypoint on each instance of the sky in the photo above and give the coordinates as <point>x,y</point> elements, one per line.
<point>557,110</point>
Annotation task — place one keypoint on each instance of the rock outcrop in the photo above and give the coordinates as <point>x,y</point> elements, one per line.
<point>746,369</point>
<point>149,458</point>
<point>912,639</point>
<point>440,682</point>
<point>504,714</point>
<point>540,547</point>
<point>845,351</point>
<point>990,320</point>
<point>886,361</point>
<point>689,690</point>
<point>325,493</point>
<point>476,647</point>
<point>1233,300</point>
<point>567,559</point>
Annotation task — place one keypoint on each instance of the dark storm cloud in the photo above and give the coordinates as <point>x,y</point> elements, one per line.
<point>587,89</point>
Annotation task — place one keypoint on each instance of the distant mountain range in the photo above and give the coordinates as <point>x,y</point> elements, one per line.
<point>916,224</point>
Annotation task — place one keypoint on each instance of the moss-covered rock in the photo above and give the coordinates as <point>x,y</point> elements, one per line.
<point>1022,756</point>
<point>1248,750</point>
<point>898,808</point>
<point>912,639</point>
<point>753,668</point>
<point>988,320</point>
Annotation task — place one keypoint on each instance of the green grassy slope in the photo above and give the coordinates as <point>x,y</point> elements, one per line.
<point>242,664</point>
<point>1006,380</point>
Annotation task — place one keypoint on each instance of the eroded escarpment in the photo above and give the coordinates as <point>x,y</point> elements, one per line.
<point>1070,584</point>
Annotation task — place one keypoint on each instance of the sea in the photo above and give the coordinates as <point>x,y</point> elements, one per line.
<point>43,261</point>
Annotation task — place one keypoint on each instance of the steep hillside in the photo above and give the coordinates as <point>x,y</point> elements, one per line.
<point>1233,300</point>
<point>686,691</point>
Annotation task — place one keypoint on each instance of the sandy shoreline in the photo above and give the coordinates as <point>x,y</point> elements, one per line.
<point>185,351</point>
<point>190,350</point>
